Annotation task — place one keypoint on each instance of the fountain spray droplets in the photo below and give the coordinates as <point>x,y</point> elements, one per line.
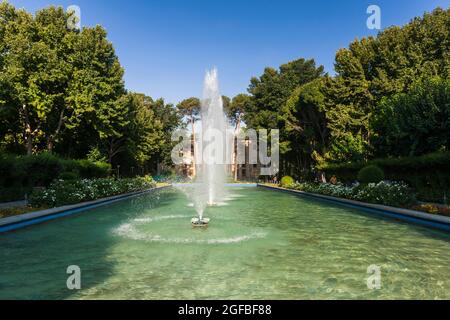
<point>211,148</point>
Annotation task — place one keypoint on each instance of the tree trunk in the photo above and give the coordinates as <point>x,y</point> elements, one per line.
<point>29,142</point>
<point>158,167</point>
<point>50,144</point>
<point>52,137</point>
<point>114,147</point>
<point>28,133</point>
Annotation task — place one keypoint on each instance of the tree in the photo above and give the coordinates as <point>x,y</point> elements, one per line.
<point>57,78</point>
<point>376,67</point>
<point>34,69</point>
<point>235,112</point>
<point>97,88</point>
<point>170,119</point>
<point>416,122</point>
<point>307,134</point>
<point>271,90</point>
<point>10,133</point>
<point>190,108</point>
<point>144,133</point>
<point>269,94</point>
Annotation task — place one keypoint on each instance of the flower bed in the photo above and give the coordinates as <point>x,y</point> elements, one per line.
<point>388,193</point>
<point>62,192</point>
<point>443,210</point>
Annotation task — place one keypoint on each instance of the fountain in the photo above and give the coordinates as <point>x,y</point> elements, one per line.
<point>211,151</point>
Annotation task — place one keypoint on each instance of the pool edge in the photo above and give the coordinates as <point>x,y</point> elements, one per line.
<point>24,220</point>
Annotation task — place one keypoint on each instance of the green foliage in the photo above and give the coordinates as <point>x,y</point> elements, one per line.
<point>145,136</point>
<point>62,192</point>
<point>68,176</point>
<point>236,108</point>
<point>170,119</point>
<point>58,78</point>
<point>62,90</point>
<point>40,169</point>
<point>190,108</point>
<point>395,194</point>
<point>266,109</point>
<point>13,193</point>
<point>347,147</point>
<point>387,193</point>
<point>428,174</point>
<point>416,122</point>
<point>19,174</point>
<point>88,169</point>
<point>272,89</point>
<point>370,174</point>
<point>286,181</point>
<point>95,155</point>
<point>306,128</point>
<point>376,67</point>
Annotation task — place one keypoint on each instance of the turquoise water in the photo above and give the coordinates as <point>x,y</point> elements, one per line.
<point>261,245</point>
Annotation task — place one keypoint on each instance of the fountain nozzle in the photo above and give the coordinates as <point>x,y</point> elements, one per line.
<point>200,222</point>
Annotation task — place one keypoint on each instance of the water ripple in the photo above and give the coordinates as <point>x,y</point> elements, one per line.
<point>129,230</point>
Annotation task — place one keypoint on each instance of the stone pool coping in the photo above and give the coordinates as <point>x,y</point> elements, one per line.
<point>424,219</point>
<point>27,219</point>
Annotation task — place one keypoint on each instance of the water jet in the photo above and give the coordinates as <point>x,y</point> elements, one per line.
<point>208,189</point>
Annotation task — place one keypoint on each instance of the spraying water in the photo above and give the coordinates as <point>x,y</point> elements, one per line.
<point>212,148</point>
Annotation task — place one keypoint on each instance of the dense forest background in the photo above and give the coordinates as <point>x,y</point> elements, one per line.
<point>62,92</point>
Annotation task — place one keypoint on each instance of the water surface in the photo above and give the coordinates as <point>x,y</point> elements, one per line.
<point>260,245</point>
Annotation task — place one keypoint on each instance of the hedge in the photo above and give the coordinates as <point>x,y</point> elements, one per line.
<point>62,192</point>
<point>20,174</point>
<point>397,194</point>
<point>428,174</point>
<point>370,174</point>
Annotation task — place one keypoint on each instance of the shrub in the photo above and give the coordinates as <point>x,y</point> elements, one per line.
<point>286,181</point>
<point>40,169</point>
<point>370,174</point>
<point>396,194</point>
<point>68,176</point>
<point>86,168</point>
<point>13,193</point>
<point>90,169</point>
<point>7,165</point>
<point>334,190</point>
<point>429,174</point>
<point>20,174</point>
<point>62,192</point>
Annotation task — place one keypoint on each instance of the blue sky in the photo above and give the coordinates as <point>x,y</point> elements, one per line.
<point>166,46</point>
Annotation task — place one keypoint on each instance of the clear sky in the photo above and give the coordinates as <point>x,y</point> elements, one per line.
<point>166,46</point>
